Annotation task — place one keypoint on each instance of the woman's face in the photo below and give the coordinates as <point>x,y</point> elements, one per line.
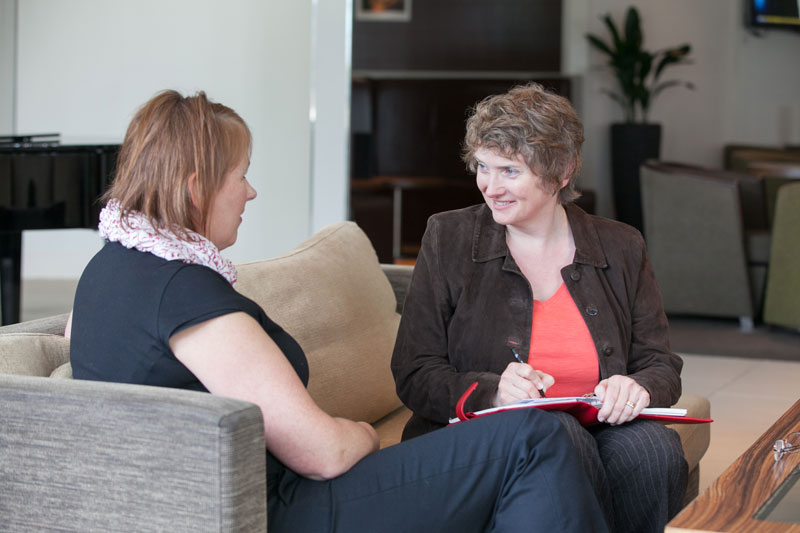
<point>512,191</point>
<point>227,206</point>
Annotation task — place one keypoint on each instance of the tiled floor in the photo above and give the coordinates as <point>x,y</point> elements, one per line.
<point>747,395</point>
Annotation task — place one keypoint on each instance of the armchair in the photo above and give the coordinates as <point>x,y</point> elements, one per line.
<point>775,175</point>
<point>707,237</point>
<point>738,157</point>
<point>90,456</point>
<point>783,278</point>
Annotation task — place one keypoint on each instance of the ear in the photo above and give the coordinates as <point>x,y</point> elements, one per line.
<point>567,174</point>
<point>194,194</point>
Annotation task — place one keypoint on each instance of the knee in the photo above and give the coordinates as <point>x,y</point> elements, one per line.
<point>538,426</point>
<point>667,448</point>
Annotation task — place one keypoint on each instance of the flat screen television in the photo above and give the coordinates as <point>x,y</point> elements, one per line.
<point>774,14</point>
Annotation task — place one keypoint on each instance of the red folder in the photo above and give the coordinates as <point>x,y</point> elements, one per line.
<point>584,409</point>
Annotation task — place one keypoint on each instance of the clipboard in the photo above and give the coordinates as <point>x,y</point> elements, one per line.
<point>584,408</point>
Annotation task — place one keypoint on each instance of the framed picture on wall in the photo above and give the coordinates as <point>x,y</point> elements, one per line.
<point>383,10</point>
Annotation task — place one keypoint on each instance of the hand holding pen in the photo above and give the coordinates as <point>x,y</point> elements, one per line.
<point>520,382</point>
<point>539,388</point>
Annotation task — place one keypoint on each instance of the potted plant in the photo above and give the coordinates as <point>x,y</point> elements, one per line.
<point>638,74</point>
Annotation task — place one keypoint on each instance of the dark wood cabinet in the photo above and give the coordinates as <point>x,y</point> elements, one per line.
<point>414,83</point>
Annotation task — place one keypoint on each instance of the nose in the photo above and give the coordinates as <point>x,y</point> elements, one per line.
<point>251,192</point>
<point>489,183</point>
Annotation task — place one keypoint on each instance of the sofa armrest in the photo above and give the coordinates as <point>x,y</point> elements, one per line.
<point>51,325</point>
<point>695,439</point>
<point>400,278</point>
<point>86,455</point>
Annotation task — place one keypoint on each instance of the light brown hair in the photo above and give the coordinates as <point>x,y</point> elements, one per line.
<point>538,125</point>
<point>170,138</point>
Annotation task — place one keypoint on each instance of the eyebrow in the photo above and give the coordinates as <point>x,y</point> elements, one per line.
<point>515,166</point>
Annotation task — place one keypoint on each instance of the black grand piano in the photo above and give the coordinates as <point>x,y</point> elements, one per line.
<point>45,185</point>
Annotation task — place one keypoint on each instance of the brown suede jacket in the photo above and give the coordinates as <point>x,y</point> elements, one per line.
<point>468,302</point>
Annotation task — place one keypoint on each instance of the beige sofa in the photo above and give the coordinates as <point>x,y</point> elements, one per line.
<point>83,455</point>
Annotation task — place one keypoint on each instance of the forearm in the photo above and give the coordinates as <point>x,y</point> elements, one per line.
<point>351,441</point>
<point>252,368</point>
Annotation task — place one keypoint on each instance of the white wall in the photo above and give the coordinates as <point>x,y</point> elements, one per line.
<point>8,21</point>
<point>84,66</point>
<point>330,110</point>
<point>747,88</point>
<point>764,100</point>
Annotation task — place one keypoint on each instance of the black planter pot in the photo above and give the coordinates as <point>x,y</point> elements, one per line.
<point>631,145</point>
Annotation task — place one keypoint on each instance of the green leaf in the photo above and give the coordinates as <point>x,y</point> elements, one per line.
<point>600,45</point>
<point>672,83</point>
<point>672,56</point>
<point>612,28</point>
<point>633,28</point>
<point>645,63</point>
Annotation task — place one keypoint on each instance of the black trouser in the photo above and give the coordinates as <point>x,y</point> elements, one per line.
<point>637,469</point>
<point>513,471</point>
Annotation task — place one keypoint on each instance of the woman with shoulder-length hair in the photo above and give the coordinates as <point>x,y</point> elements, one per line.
<point>527,293</point>
<point>156,306</point>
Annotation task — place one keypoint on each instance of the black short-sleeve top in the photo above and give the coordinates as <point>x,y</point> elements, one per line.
<point>129,303</point>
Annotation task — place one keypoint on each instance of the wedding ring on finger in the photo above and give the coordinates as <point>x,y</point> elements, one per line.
<point>630,404</point>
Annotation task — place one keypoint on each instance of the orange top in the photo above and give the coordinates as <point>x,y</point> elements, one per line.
<point>562,346</point>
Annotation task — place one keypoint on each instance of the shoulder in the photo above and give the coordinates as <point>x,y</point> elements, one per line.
<point>118,269</point>
<point>600,237</point>
<point>612,230</point>
<point>195,293</point>
<point>454,230</point>
<point>190,282</point>
<point>457,217</point>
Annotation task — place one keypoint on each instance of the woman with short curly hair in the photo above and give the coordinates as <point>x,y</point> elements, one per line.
<point>527,294</point>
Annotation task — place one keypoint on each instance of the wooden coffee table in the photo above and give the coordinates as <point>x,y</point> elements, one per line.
<point>731,501</point>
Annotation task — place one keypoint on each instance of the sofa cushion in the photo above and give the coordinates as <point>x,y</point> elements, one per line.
<point>32,354</point>
<point>62,372</point>
<point>331,295</point>
<point>390,427</point>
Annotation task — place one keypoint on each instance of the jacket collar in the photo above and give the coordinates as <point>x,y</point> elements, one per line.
<point>489,237</point>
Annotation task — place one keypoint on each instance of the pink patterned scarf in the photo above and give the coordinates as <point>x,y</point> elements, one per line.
<point>138,232</point>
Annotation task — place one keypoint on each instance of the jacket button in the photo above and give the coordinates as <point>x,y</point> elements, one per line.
<point>608,350</point>
<point>591,311</point>
<point>575,275</point>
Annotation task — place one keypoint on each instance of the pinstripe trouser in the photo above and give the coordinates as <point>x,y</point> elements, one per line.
<point>637,469</point>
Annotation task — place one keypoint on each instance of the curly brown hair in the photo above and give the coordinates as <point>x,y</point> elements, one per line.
<point>170,138</point>
<point>536,124</point>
